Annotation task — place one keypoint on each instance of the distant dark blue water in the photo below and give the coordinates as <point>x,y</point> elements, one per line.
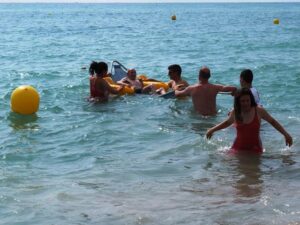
<point>143,159</point>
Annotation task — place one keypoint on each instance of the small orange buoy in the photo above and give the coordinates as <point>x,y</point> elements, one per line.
<point>276,21</point>
<point>173,17</point>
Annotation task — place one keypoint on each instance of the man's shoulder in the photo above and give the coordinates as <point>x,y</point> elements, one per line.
<point>195,85</point>
<point>184,81</point>
<point>195,88</point>
<point>217,87</point>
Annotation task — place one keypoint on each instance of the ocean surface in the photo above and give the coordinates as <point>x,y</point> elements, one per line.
<point>143,159</point>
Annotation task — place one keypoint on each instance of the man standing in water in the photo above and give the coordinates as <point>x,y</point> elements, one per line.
<point>204,94</point>
<point>175,82</point>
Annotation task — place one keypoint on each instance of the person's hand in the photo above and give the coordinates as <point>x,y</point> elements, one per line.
<point>288,140</point>
<point>179,87</point>
<point>121,87</point>
<point>209,133</point>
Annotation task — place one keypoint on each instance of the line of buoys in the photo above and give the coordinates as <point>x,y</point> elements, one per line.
<point>25,100</point>
<point>276,21</point>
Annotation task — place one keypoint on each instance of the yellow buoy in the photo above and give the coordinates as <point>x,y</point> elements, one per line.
<point>173,17</point>
<point>276,21</point>
<point>25,100</point>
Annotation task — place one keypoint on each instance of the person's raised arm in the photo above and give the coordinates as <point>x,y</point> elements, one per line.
<point>223,88</point>
<point>221,125</point>
<point>183,93</point>
<point>267,117</point>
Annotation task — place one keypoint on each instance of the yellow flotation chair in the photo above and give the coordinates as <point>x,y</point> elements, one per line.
<point>156,83</point>
<point>124,91</point>
<point>119,71</point>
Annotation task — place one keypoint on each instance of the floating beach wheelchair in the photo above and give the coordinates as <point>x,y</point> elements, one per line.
<point>119,71</point>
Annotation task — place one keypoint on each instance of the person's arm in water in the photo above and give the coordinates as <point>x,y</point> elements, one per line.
<point>267,117</point>
<point>221,125</point>
<point>184,92</point>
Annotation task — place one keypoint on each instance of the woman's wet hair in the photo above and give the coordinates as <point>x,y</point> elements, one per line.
<point>101,68</point>
<point>92,67</point>
<point>104,66</point>
<point>237,105</point>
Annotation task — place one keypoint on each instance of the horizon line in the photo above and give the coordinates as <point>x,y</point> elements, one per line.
<point>146,1</point>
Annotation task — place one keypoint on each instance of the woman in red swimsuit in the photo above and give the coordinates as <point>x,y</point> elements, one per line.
<point>99,88</point>
<point>246,117</point>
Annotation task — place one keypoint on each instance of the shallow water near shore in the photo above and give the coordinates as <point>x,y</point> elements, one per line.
<point>143,159</point>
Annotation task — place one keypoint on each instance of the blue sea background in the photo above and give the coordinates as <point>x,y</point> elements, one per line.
<point>143,159</point>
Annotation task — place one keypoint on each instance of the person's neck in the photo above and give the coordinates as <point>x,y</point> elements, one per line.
<point>247,86</point>
<point>177,79</point>
<point>204,81</point>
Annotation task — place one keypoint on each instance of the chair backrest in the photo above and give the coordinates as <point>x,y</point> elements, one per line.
<point>118,71</point>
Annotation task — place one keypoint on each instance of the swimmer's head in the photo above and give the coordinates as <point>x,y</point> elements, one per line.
<point>204,73</point>
<point>246,76</point>
<point>174,71</point>
<point>243,101</point>
<point>131,74</point>
<point>101,69</point>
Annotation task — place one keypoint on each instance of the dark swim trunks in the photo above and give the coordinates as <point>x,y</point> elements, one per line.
<point>138,91</point>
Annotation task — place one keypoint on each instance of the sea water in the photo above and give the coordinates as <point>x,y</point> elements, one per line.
<point>143,159</point>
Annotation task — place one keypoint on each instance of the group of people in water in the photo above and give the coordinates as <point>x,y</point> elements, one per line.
<point>246,114</point>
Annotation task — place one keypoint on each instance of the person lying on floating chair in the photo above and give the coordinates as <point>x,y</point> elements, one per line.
<point>131,80</point>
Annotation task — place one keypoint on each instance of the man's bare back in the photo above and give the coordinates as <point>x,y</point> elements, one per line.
<point>204,94</point>
<point>204,97</point>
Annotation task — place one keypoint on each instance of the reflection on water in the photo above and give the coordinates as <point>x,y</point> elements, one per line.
<point>183,115</point>
<point>202,127</point>
<point>249,183</point>
<point>20,122</point>
<point>235,179</point>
